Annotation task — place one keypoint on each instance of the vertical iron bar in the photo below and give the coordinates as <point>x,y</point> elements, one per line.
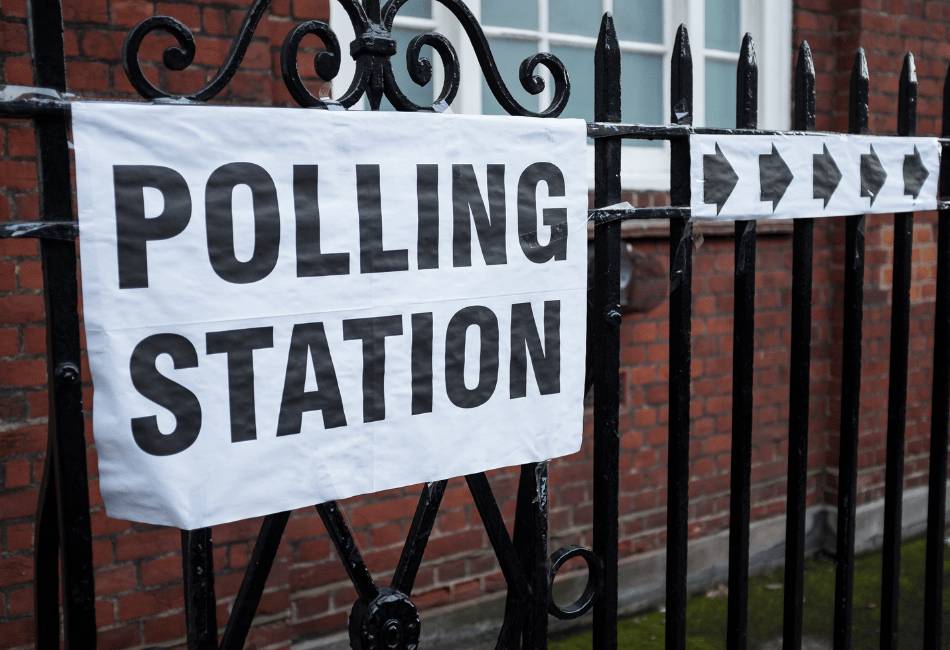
<point>422,523</point>
<point>850,378</point>
<point>68,489</point>
<point>799,378</point>
<point>255,579</point>
<point>531,542</point>
<point>515,623</point>
<point>681,280</point>
<point>197,567</point>
<point>743,349</point>
<point>497,533</point>
<point>940,410</point>
<point>46,562</point>
<point>897,378</point>
<point>530,539</point>
<point>346,548</point>
<point>606,322</point>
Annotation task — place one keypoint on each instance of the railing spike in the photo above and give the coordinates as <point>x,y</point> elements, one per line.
<point>799,379</point>
<point>804,89</point>
<point>859,110</point>
<point>681,84</point>
<point>604,329</point>
<point>858,114</point>
<point>940,406</point>
<point>907,97</point>
<point>747,85</point>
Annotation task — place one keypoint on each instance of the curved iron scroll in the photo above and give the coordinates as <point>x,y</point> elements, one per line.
<point>179,58</point>
<point>372,51</point>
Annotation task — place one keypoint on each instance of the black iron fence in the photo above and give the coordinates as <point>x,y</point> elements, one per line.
<point>384,616</point>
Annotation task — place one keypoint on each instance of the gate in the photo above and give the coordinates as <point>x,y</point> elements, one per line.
<point>384,616</point>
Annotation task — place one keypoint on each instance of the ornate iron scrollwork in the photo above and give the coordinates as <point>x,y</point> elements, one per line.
<point>390,620</point>
<point>372,50</point>
<point>179,58</point>
<point>594,581</point>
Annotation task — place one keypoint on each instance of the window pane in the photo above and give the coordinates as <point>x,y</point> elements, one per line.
<point>417,9</point>
<point>720,93</point>
<point>580,67</point>
<point>722,25</point>
<point>421,95</point>
<point>510,13</point>
<point>509,53</point>
<point>642,91</point>
<point>639,20</point>
<point>575,16</point>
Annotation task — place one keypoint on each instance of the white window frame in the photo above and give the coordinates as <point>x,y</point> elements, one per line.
<point>643,168</point>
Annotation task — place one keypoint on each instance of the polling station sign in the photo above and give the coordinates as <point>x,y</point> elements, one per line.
<point>284,307</point>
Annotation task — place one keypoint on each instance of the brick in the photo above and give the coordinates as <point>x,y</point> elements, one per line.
<point>29,275</point>
<point>17,632</point>
<point>15,570</point>
<point>23,440</point>
<point>140,604</point>
<point>85,11</point>
<point>21,143</point>
<point>16,474</point>
<point>7,276</point>
<point>18,175</point>
<point>22,373</point>
<point>311,9</point>
<point>12,37</point>
<point>17,70</point>
<point>165,629</point>
<point>113,580</point>
<point>129,13</point>
<point>214,21</point>
<point>143,544</point>
<point>34,340</point>
<point>21,308</point>
<point>15,8</point>
<point>9,341</point>
<point>126,636</point>
<point>21,602</point>
<point>189,14</point>
<point>89,76</point>
<point>162,570</point>
<point>103,45</point>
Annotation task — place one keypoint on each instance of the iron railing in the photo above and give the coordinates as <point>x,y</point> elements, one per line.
<point>384,616</point>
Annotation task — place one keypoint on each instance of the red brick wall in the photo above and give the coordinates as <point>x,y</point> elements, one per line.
<point>138,567</point>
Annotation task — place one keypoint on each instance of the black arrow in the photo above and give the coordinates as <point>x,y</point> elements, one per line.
<point>872,175</point>
<point>825,175</point>
<point>719,179</point>
<point>914,174</point>
<point>774,177</point>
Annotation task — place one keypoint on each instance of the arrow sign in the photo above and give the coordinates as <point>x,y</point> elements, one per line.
<point>719,179</point>
<point>915,173</point>
<point>825,175</point>
<point>774,177</point>
<point>872,175</point>
<point>799,175</point>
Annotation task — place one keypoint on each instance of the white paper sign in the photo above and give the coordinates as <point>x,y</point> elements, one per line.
<point>795,176</point>
<point>287,306</point>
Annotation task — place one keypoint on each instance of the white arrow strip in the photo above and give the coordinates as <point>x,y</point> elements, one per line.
<point>740,177</point>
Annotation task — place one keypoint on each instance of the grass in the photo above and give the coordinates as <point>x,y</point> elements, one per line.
<point>706,614</point>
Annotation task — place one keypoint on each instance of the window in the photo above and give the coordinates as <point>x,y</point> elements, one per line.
<point>517,29</point>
